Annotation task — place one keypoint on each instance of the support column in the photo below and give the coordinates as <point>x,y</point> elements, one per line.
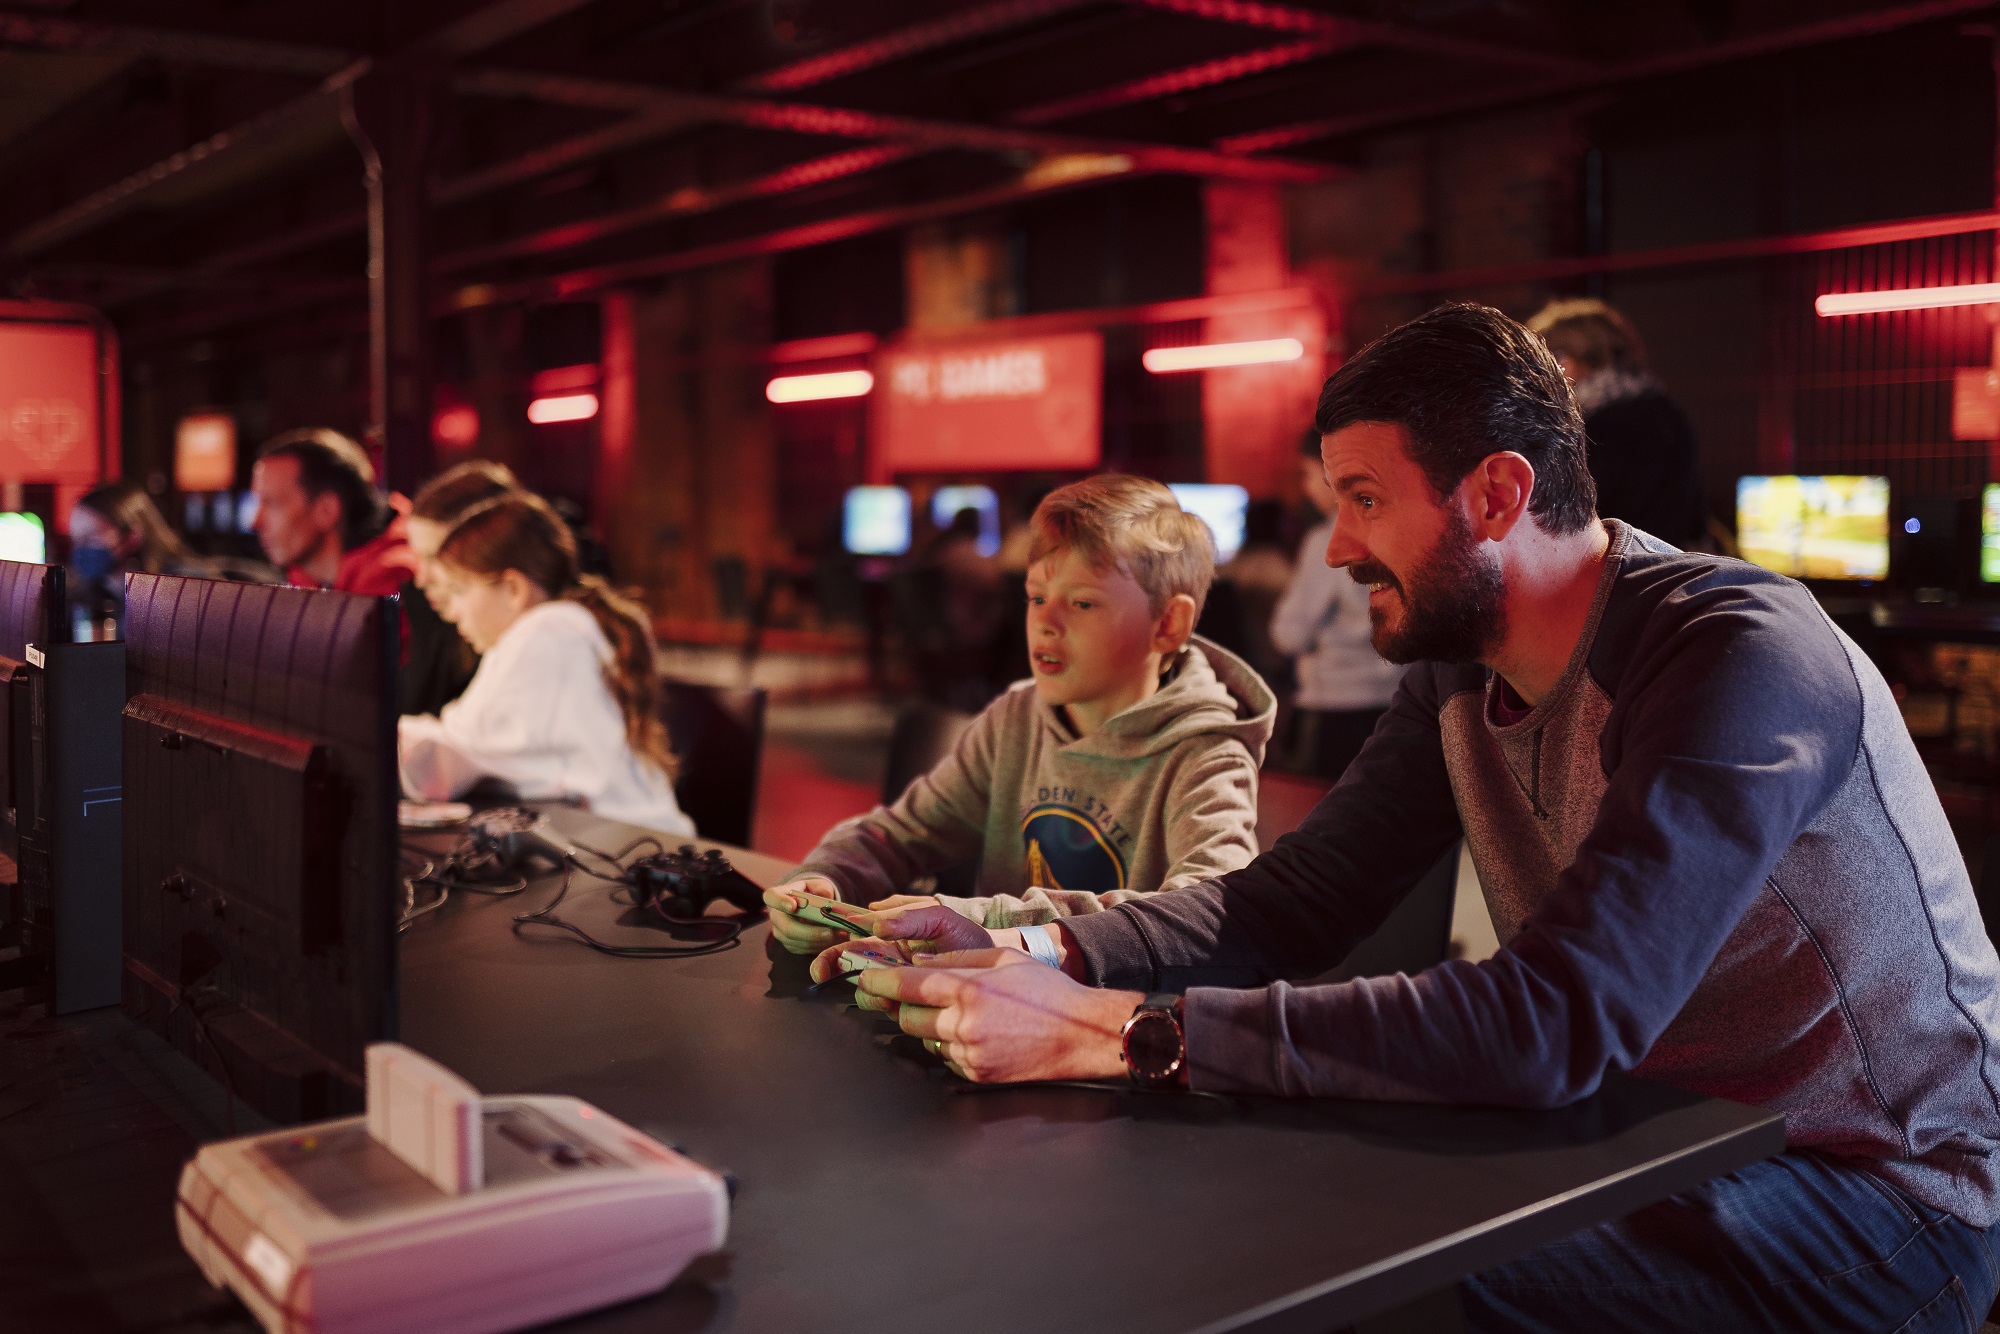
<point>617,422</point>
<point>394,114</point>
<point>1253,416</point>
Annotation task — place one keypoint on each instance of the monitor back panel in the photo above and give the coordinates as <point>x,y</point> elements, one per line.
<point>249,704</point>
<point>31,612</point>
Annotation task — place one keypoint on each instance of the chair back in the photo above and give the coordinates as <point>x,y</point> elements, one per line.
<point>1416,935</point>
<point>923,735</point>
<point>718,734</point>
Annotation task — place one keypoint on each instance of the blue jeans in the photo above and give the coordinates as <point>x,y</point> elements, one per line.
<point>1799,1242</point>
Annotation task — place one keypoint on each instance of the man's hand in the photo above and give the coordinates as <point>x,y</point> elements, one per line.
<point>902,901</point>
<point>925,928</point>
<point>997,1016</point>
<point>794,933</point>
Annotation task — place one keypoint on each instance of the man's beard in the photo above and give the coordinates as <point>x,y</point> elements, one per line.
<point>1454,606</point>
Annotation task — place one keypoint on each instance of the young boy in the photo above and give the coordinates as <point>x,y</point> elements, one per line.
<point>1128,764</point>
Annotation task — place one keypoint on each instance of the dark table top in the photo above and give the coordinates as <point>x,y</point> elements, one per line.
<point>878,1191</point>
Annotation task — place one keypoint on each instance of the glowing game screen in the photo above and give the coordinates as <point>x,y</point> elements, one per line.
<point>22,539</point>
<point>1815,527</point>
<point>947,501</point>
<point>1989,534</point>
<point>876,521</point>
<point>1221,506</point>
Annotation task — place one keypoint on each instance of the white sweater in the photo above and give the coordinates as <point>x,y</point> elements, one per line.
<point>539,716</point>
<point>1322,622</point>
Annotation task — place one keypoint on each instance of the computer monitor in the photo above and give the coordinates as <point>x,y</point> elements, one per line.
<point>22,538</point>
<point>1221,506</point>
<point>1828,527</point>
<point>260,807</point>
<point>1989,534</point>
<point>875,521</point>
<point>947,501</point>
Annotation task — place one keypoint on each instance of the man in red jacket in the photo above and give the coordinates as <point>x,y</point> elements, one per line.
<point>321,519</point>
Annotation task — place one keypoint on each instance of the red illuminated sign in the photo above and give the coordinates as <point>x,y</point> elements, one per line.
<point>51,424</point>
<point>966,407</point>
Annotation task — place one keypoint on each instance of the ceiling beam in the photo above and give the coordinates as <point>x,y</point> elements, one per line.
<point>845,123</point>
<point>902,43</point>
<point>1420,41</point>
<point>1871,24</point>
<point>494,23</point>
<point>685,202</point>
<point>1171,83</point>
<point>578,282</point>
<point>69,36</point>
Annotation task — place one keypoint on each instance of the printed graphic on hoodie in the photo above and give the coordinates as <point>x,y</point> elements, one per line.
<point>1067,849</point>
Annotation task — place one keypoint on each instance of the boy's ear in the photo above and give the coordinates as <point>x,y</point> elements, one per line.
<point>1174,624</point>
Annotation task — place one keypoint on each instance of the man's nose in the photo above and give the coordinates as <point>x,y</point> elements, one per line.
<point>1342,549</point>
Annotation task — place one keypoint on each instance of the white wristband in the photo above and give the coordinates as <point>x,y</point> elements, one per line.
<point>1040,945</point>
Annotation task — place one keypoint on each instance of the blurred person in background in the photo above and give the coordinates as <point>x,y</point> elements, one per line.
<point>116,530</point>
<point>1344,685</point>
<point>1643,453</point>
<point>322,521</point>
<point>1260,572</point>
<point>437,662</point>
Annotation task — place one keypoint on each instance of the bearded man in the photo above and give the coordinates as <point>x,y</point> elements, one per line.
<point>1710,850</point>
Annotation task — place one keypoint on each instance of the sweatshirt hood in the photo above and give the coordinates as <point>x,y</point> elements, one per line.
<point>1213,690</point>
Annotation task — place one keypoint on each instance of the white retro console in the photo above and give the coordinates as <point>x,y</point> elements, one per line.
<point>551,1208</point>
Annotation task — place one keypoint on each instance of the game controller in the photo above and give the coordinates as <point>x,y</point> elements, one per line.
<point>514,836</point>
<point>680,885</point>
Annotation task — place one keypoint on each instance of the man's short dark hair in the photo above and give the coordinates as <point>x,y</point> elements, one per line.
<point>329,461</point>
<point>1465,382</point>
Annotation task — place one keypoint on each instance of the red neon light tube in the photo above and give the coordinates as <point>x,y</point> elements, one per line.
<point>1908,298</point>
<point>1168,360</point>
<point>812,388</point>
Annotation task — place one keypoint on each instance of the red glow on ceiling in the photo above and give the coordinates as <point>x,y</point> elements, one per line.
<point>563,408</point>
<point>563,380</point>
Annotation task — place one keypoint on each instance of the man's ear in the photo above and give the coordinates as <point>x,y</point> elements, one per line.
<point>1499,490</point>
<point>325,511</point>
<point>1174,624</point>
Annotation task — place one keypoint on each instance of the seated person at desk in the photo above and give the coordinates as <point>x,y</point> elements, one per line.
<point>1707,842</point>
<point>563,704</point>
<point>1128,764</point>
<point>321,520</point>
<point>437,662</point>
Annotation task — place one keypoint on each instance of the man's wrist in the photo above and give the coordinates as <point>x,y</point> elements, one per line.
<point>1103,1056</point>
<point>1069,958</point>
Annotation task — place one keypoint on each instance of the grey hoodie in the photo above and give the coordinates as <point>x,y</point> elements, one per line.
<point>1163,795</point>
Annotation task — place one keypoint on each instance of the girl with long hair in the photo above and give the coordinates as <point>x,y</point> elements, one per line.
<point>565,702</point>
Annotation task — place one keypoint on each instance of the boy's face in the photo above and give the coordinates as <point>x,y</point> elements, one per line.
<point>1092,634</point>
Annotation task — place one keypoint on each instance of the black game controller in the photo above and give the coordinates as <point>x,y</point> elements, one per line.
<point>680,885</point>
<point>514,836</point>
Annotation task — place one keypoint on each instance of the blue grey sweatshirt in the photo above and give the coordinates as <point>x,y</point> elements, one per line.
<point>1712,856</point>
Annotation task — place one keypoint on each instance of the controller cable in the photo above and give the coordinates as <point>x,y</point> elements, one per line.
<point>545,916</point>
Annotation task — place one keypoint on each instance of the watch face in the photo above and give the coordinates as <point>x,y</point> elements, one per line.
<point>1153,1045</point>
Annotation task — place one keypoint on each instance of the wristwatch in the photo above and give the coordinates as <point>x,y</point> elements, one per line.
<point>1153,1043</point>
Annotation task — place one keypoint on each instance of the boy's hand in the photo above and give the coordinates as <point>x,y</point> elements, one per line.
<point>794,933</point>
<point>924,929</point>
<point>997,1016</point>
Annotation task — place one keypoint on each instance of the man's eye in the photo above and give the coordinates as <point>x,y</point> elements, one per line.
<point>1083,604</point>
<point>1365,502</point>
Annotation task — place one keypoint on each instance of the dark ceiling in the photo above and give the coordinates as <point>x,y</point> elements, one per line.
<point>184,165</point>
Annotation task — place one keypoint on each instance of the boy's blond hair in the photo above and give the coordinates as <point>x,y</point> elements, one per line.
<point>1132,525</point>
